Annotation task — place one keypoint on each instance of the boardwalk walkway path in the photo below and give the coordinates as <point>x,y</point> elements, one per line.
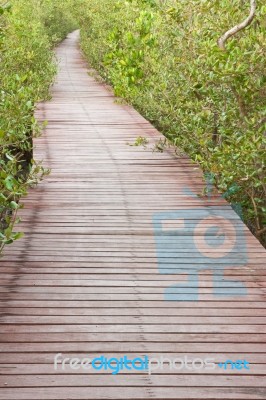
<point>87,279</point>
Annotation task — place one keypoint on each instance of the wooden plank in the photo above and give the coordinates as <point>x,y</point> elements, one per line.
<point>131,337</point>
<point>107,347</point>
<point>138,393</point>
<point>121,380</point>
<point>62,309</point>
<point>48,357</point>
<point>48,369</point>
<point>211,306</point>
<point>131,320</point>
<point>249,330</point>
<point>54,294</point>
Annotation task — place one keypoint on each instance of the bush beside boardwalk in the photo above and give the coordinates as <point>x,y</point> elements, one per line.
<point>29,30</point>
<point>163,57</point>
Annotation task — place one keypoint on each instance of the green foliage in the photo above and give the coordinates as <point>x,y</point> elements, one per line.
<point>57,18</point>
<point>163,57</point>
<point>28,30</point>
<point>140,141</point>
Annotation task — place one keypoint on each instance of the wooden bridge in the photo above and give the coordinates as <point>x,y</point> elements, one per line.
<point>109,267</point>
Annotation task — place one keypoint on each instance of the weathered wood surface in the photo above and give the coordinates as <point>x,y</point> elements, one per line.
<point>85,279</point>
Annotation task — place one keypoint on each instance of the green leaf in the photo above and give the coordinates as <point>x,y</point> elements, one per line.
<point>9,157</point>
<point>9,182</point>
<point>8,241</point>
<point>14,205</point>
<point>17,235</point>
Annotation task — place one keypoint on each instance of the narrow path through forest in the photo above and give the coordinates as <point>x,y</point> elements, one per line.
<point>121,257</point>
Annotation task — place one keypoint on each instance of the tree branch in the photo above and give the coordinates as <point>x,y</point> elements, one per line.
<point>239,27</point>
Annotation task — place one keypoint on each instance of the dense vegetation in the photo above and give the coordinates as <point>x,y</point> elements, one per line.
<point>163,57</point>
<point>28,31</point>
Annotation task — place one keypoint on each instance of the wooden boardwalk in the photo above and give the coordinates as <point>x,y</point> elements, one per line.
<point>87,278</point>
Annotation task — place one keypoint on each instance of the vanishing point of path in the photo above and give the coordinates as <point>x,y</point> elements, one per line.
<point>103,267</point>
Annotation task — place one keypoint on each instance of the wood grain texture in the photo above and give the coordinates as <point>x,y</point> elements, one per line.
<point>86,280</point>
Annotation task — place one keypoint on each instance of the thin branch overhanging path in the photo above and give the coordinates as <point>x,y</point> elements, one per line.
<point>231,32</point>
